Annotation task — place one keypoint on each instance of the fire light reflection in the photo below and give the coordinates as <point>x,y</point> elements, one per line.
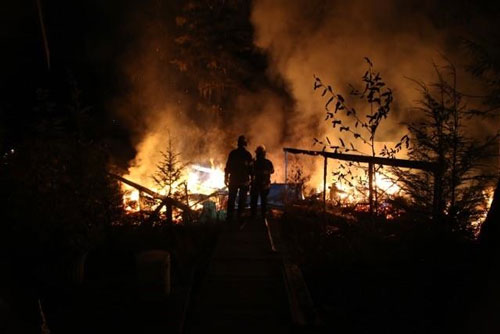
<point>488,195</point>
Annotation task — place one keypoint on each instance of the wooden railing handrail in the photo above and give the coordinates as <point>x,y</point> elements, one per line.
<point>403,163</point>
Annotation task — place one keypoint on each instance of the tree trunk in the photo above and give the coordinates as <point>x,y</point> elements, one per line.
<point>170,214</point>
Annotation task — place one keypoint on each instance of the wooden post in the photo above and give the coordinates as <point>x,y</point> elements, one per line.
<point>139,201</point>
<point>325,169</point>
<point>286,177</point>
<point>170,214</point>
<point>286,167</point>
<point>370,186</point>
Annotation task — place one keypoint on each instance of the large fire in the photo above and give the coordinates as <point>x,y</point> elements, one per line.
<point>350,193</point>
<point>203,182</point>
<point>197,180</point>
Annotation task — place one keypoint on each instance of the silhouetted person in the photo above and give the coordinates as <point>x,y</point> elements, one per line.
<point>261,181</point>
<point>237,176</point>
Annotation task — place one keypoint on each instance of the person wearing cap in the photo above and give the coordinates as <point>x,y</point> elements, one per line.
<point>261,181</point>
<point>237,177</point>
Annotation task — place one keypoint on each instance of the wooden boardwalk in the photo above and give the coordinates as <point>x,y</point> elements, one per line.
<point>243,290</point>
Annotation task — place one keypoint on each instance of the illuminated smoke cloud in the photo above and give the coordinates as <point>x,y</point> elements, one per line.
<point>301,38</point>
<point>330,39</point>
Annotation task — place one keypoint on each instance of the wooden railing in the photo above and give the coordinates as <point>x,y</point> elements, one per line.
<point>372,161</point>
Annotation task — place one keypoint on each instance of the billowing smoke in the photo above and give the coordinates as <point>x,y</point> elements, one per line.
<point>279,108</point>
<point>160,105</point>
<point>330,39</point>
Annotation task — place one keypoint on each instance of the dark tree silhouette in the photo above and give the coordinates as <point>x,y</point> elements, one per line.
<point>441,135</point>
<point>58,196</point>
<point>214,44</point>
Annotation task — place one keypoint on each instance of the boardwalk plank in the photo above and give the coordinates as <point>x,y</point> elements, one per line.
<point>243,290</point>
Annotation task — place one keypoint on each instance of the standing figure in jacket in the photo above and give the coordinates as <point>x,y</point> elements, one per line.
<point>237,177</point>
<point>261,181</point>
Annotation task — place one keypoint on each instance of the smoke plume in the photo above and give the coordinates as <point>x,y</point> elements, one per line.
<point>300,39</point>
<point>329,39</point>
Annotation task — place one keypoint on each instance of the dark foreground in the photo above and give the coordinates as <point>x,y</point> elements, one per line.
<point>227,279</point>
<point>243,290</point>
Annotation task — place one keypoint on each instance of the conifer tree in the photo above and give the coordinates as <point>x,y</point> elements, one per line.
<point>168,176</point>
<point>442,135</point>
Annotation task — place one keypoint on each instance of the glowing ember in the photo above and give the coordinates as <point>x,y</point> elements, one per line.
<point>488,194</point>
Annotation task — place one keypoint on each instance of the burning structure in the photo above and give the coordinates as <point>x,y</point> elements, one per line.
<point>157,91</point>
<point>187,82</point>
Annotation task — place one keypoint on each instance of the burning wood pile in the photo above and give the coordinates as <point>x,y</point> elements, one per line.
<point>202,189</point>
<point>204,192</point>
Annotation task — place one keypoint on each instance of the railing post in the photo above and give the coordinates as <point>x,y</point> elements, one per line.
<point>286,177</point>
<point>286,167</point>
<point>325,168</point>
<point>370,186</point>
